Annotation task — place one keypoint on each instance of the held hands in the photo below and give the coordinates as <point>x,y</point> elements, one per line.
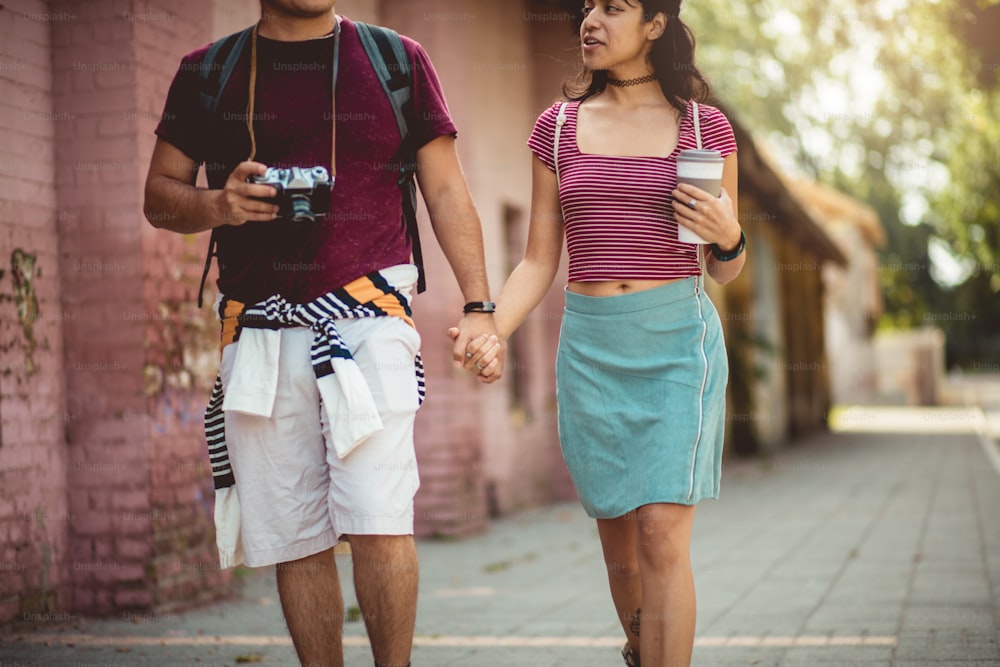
<point>478,347</point>
<point>238,202</point>
<point>712,218</point>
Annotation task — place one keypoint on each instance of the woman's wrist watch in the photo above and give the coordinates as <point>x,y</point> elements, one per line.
<point>728,256</point>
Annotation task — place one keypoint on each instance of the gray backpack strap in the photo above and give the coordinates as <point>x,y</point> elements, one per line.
<point>388,56</point>
<point>217,66</point>
<point>392,66</point>
<point>212,78</point>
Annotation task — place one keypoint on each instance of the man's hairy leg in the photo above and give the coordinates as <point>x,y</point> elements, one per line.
<point>385,580</point>
<point>313,607</point>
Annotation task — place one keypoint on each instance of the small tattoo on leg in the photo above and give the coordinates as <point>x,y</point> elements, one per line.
<point>634,624</point>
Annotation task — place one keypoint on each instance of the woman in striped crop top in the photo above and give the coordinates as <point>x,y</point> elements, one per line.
<point>641,367</point>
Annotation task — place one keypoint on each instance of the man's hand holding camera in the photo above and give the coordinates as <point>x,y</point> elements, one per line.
<point>256,192</point>
<point>240,202</point>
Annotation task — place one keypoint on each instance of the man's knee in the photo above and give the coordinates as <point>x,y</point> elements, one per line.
<point>313,564</point>
<point>382,544</point>
<point>391,555</point>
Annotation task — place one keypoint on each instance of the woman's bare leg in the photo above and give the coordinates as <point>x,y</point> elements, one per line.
<point>620,540</point>
<point>668,597</point>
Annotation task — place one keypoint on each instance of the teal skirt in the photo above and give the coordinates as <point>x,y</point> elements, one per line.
<point>641,389</point>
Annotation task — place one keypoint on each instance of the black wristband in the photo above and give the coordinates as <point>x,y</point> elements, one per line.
<point>732,254</point>
<point>479,307</point>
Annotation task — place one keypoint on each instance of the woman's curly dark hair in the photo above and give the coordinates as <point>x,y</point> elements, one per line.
<point>672,58</point>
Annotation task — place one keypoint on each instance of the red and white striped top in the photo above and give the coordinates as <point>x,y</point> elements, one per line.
<point>616,209</point>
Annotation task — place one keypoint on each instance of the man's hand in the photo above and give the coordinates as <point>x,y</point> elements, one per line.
<point>174,202</point>
<point>239,201</point>
<point>478,347</point>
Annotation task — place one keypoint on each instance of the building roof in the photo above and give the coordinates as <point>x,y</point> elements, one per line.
<point>786,212</point>
<point>832,207</point>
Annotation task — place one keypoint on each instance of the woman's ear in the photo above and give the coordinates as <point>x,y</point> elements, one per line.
<point>657,26</point>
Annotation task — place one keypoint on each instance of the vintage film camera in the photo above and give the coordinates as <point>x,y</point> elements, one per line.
<point>302,192</point>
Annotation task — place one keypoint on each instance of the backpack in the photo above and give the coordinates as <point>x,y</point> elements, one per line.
<point>387,55</point>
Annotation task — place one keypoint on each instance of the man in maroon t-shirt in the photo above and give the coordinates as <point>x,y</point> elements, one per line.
<point>296,492</point>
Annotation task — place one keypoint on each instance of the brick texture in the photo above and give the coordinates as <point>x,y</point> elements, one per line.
<point>105,490</point>
<point>109,472</point>
<point>111,400</point>
<point>34,516</point>
<point>181,342</point>
<point>484,450</point>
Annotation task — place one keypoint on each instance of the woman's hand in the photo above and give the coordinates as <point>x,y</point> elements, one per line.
<point>711,218</point>
<point>482,356</point>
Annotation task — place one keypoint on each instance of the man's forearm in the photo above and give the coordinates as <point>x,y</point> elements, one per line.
<point>460,235</point>
<point>180,207</point>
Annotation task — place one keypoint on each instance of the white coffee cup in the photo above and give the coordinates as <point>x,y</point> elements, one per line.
<point>701,168</point>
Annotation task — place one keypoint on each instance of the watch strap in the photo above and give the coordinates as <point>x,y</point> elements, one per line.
<point>732,254</point>
<point>479,307</point>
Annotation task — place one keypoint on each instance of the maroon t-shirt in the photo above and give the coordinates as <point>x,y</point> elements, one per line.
<point>364,230</point>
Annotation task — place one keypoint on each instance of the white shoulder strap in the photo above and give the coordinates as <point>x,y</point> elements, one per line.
<point>560,121</point>
<point>697,122</point>
<point>702,249</point>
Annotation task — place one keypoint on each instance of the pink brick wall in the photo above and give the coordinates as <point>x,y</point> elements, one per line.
<point>97,169</point>
<point>452,497</point>
<point>119,372</point>
<point>550,35</point>
<point>135,374</point>
<point>181,341</point>
<point>34,517</point>
<point>480,453</point>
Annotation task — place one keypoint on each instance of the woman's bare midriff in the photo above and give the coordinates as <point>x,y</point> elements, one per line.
<point>615,287</point>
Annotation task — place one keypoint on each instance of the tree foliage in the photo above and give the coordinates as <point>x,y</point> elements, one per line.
<point>895,103</point>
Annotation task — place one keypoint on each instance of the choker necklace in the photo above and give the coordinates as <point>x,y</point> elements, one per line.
<point>621,83</point>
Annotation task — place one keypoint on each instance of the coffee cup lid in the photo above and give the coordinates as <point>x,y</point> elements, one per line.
<point>700,155</point>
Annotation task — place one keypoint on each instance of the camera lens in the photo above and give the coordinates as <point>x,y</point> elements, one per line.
<point>301,209</point>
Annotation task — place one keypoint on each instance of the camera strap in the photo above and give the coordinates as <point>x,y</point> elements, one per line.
<point>213,102</point>
<point>333,95</point>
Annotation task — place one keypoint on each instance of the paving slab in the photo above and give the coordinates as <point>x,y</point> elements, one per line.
<point>863,547</point>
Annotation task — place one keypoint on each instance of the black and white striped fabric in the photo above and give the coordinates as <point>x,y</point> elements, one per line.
<point>319,315</point>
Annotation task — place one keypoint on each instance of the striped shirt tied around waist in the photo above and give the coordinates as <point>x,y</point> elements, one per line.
<point>341,384</point>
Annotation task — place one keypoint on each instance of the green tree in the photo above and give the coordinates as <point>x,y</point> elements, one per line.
<point>893,102</point>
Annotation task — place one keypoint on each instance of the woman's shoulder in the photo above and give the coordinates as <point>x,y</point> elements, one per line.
<point>542,139</point>
<point>710,114</point>
<point>716,130</point>
<point>546,122</point>
<point>551,113</point>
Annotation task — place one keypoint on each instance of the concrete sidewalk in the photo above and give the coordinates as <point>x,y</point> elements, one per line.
<point>855,548</point>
